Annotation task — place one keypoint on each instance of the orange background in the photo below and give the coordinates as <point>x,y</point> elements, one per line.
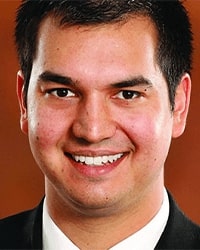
<point>21,182</point>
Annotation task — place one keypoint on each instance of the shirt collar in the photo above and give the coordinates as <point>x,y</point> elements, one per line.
<point>144,239</point>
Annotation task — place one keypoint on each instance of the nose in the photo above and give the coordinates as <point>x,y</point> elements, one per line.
<point>93,122</point>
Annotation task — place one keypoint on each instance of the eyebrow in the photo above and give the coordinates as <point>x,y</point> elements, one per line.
<point>135,81</point>
<point>49,76</point>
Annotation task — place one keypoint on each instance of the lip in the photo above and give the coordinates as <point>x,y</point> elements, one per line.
<point>95,171</point>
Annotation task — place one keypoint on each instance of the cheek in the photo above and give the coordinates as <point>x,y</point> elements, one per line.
<point>139,128</point>
<point>45,127</point>
<point>149,132</point>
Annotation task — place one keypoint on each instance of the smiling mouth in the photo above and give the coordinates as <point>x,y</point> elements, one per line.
<point>96,160</point>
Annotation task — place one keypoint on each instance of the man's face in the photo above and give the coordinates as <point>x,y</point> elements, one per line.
<point>98,114</point>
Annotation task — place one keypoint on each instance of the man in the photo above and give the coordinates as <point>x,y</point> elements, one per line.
<point>104,86</point>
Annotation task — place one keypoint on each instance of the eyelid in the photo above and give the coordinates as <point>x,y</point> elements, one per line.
<point>53,91</point>
<point>132,94</point>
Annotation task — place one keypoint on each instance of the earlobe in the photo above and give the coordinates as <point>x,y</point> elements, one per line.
<point>22,104</point>
<point>181,107</point>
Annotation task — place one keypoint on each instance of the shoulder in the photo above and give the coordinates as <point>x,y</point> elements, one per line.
<point>19,231</point>
<point>16,222</point>
<point>180,231</point>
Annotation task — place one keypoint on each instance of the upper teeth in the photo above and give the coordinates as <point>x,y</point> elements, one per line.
<point>97,160</point>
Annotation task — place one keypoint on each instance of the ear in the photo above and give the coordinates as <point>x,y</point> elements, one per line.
<point>22,104</point>
<point>181,107</point>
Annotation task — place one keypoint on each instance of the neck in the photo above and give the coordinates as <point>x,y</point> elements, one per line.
<point>88,232</point>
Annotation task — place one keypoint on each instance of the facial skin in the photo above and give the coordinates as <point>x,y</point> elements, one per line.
<point>94,92</point>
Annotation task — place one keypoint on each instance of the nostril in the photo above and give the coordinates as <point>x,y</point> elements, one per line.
<point>93,121</point>
<point>93,131</point>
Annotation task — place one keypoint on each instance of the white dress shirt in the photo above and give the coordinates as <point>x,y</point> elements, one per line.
<point>144,239</point>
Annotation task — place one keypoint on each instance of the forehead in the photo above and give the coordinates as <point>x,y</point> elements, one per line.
<point>119,47</point>
<point>135,24</point>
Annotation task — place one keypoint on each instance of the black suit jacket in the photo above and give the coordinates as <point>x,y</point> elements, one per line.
<point>24,231</point>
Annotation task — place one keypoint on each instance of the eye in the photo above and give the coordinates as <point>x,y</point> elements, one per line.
<point>127,94</point>
<point>61,92</point>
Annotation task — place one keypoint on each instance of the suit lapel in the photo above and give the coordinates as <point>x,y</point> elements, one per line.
<point>33,228</point>
<point>180,232</point>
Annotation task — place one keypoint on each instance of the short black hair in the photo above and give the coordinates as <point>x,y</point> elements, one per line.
<point>174,47</point>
